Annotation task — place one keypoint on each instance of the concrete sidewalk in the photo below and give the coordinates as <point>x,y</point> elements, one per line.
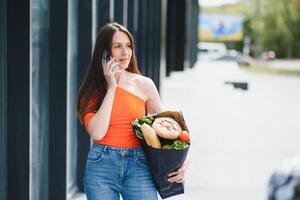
<point>238,137</point>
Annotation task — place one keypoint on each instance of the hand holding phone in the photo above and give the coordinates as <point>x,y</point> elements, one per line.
<point>106,57</point>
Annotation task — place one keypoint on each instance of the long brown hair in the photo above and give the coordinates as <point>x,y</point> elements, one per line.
<point>94,86</point>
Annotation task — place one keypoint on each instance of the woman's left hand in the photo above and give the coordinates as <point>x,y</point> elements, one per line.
<point>178,176</point>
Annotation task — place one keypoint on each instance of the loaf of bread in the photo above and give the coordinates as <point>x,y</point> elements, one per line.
<point>166,127</point>
<point>150,136</point>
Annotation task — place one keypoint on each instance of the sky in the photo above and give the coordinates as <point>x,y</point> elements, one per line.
<point>206,3</point>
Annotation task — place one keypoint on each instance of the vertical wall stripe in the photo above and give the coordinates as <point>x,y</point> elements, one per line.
<point>18,54</point>
<point>31,171</point>
<point>3,101</point>
<point>57,98</point>
<point>125,12</point>
<point>111,10</point>
<point>84,40</point>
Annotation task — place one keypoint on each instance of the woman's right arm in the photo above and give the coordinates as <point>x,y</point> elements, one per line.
<point>99,123</point>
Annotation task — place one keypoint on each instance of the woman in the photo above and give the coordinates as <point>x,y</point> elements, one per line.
<point>108,100</point>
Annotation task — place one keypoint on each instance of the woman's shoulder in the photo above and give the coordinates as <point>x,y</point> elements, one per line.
<point>143,82</point>
<point>148,89</point>
<point>141,79</point>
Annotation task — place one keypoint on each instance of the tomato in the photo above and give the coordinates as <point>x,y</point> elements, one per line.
<point>184,136</point>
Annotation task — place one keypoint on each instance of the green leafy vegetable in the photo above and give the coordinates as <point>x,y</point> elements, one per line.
<point>137,130</point>
<point>148,120</point>
<point>177,144</point>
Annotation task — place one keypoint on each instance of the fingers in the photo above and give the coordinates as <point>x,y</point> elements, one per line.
<point>177,176</point>
<point>109,66</point>
<point>106,65</point>
<point>175,173</point>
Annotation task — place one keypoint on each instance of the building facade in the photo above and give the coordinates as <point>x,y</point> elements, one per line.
<point>45,49</point>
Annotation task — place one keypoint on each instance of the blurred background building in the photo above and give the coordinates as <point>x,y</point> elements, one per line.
<point>45,50</point>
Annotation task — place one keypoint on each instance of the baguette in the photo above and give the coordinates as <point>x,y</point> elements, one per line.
<point>150,136</point>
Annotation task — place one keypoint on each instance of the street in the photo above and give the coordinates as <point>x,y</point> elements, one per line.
<point>238,137</point>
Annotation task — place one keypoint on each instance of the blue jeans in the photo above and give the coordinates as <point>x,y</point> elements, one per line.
<point>111,172</point>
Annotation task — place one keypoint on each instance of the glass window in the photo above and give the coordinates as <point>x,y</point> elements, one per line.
<point>39,100</point>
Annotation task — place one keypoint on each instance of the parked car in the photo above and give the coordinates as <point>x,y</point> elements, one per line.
<point>241,59</point>
<point>211,50</point>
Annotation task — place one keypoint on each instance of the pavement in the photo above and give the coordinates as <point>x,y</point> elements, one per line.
<point>238,136</point>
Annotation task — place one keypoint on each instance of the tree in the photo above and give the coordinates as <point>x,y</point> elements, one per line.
<point>278,27</point>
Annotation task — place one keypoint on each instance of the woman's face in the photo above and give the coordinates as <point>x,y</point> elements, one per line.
<point>121,49</point>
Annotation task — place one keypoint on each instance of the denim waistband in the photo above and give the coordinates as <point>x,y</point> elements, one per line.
<point>122,151</point>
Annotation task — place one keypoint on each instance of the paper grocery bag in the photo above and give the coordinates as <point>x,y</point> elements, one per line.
<point>164,161</point>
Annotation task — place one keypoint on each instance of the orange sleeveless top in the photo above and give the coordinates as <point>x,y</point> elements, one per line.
<point>126,108</point>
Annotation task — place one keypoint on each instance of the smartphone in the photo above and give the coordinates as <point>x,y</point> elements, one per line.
<point>106,57</point>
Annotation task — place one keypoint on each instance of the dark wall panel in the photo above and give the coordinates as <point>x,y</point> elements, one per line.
<point>58,91</point>
<point>3,101</point>
<point>18,54</point>
<point>156,41</point>
<point>148,38</point>
<point>176,17</point>
<point>84,56</point>
<point>132,17</point>
<point>118,11</point>
<point>141,37</point>
<point>102,10</point>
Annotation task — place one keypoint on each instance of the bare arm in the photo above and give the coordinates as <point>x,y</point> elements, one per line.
<point>153,103</point>
<point>99,123</point>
